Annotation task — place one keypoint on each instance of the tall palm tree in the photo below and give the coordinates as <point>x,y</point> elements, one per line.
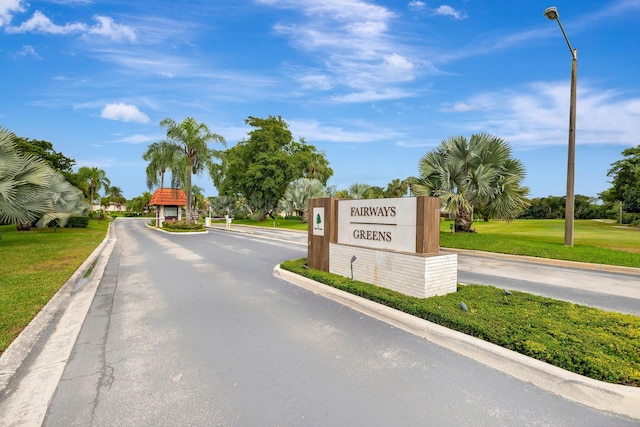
<point>191,140</point>
<point>478,174</point>
<point>161,156</point>
<point>96,179</point>
<point>24,182</point>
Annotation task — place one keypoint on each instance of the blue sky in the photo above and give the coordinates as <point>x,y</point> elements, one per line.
<point>373,84</point>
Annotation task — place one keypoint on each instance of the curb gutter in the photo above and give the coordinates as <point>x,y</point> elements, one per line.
<point>612,398</point>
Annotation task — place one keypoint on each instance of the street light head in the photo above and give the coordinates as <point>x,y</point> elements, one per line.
<point>551,13</point>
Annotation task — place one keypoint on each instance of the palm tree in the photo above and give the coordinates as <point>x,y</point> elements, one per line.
<point>222,205</point>
<point>299,192</point>
<point>197,193</point>
<point>161,156</point>
<point>397,188</point>
<point>190,139</point>
<point>24,181</point>
<point>473,175</point>
<point>358,191</point>
<point>95,178</point>
<point>64,201</point>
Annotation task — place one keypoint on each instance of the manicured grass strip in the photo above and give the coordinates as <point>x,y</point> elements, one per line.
<point>588,341</point>
<point>33,267</point>
<point>289,224</point>
<point>596,241</point>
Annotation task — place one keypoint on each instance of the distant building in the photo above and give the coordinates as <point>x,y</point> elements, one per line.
<point>112,207</point>
<point>169,202</point>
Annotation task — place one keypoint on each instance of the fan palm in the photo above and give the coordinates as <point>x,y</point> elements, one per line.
<point>63,201</point>
<point>475,175</point>
<point>299,192</point>
<point>24,182</point>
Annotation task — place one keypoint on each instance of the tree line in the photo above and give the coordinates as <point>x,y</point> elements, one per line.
<point>270,172</point>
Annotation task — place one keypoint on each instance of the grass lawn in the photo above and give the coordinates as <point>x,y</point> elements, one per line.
<point>289,224</point>
<point>34,266</point>
<point>595,241</point>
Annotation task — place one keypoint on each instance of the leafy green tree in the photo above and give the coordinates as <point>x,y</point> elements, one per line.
<point>260,168</point>
<point>312,163</point>
<point>44,149</point>
<point>299,192</point>
<point>139,204</point>
<point>162,156</point>
<point>625,188</point>
<point>95,179</point>
<point>24,182</point>
<point>191,140</point>
<point>473,175</point>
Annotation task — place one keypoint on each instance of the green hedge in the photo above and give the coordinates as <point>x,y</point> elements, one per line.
<point>72,222</point>
<point>182,226</point>
<point>78,222</point>
<point>588,341</point>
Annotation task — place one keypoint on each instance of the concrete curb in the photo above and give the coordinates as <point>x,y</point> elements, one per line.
<point>612,398</point>
<point>29,377</point>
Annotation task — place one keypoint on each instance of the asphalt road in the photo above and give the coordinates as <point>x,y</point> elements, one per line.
<point>610,291</point>
<point>195,330</point>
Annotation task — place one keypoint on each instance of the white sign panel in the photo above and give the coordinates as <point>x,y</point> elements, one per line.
<point>378,223</point>
<point>318,221</point>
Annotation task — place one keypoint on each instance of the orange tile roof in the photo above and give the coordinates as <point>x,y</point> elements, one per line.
<point>168,197</point>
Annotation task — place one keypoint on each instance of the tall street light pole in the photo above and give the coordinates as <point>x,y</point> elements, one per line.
<point>552,14</point>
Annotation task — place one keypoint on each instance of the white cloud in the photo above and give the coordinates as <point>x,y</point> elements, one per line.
<point>8,8</point>
<point>384,94</point>
<point>417,5</point>
<point>358,132</point>
<point>105,27</point>
<point>539,115</point>
<point>358,51</point>
<point>442,10</point>
<point>139,138</point>
<point>446,10</point>
<point>27,51</point>
<point>124,112</point>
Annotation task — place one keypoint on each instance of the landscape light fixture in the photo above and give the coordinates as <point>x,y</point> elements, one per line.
<point>551,13</point>
<point>353,258</point>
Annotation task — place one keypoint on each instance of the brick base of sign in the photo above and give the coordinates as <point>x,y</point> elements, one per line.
<point>416,275</point>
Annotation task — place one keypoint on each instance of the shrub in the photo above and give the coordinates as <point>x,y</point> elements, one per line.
<point>77,222</point>
<point>590,342</point>
<point>182,226</point>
